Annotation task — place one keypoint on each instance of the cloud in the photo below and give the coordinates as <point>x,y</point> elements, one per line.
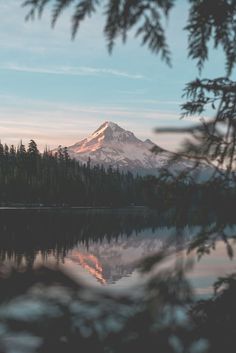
<point>133,92</point>
<point>73,71</point>
<point>52,123</point>
<point>156,101</point>
<point>29,107</point>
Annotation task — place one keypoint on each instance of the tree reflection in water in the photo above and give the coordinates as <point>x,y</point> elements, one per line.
<point>44,310</point>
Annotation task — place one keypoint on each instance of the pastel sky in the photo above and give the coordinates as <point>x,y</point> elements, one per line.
<point>57,91</point>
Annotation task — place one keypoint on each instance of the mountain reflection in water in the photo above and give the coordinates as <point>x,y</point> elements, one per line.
<point>104,247</point>
<point>90,263</point>
<point>124,281</point>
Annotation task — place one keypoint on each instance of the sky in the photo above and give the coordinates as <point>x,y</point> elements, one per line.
<point>57,91</point>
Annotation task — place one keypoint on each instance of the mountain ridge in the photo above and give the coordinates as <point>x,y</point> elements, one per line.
<point>111,145</point>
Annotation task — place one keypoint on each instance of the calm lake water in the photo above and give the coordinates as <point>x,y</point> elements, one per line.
<point>104,248</point>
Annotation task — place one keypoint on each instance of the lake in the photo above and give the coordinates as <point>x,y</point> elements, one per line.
<point>104,247</point>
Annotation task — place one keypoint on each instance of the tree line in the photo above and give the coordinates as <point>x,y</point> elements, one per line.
<point>30,177</point>
<point>53,178</point>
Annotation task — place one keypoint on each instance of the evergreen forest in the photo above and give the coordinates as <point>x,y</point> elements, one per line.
<point>28,177</point>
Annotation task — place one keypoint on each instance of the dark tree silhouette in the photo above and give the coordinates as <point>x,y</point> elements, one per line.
<point>33,149</point>
<point>146,16</point>
<point>208,20</point>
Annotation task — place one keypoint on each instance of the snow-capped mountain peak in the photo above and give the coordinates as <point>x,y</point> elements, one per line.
<point>110,131</point>
<point>112,145</point>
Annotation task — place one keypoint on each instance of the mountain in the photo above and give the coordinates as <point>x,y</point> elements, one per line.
<point>111,145</point>
<point>113,259</point>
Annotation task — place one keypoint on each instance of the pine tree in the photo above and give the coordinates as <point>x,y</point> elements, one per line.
<point>33,149</point>
<point>1,150</point>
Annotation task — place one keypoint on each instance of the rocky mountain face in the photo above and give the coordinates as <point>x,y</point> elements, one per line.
<point>110,145</point>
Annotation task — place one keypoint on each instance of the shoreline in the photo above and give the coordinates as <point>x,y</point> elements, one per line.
<point>67,207</point>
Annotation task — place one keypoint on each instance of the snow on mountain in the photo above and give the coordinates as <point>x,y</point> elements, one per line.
<point>113,259</point>
<point>110,145</point>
